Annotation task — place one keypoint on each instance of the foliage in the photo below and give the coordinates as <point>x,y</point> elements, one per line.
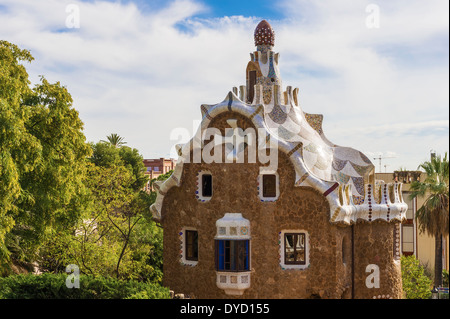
<point>53,286</point>
<point>62,200</point>
<point>115,140</point>
<point>107,155</point>
<point>416,285</point>
<point>19,149</point>
<point>433,215</point>
<point>116,210</point>
<point>42,157</point>
<point>146,245</point>
<point>115,236</point>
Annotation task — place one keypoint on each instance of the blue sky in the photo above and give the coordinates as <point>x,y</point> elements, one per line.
<point>261,8</point>
<point>142,68</point>
<point>221,8</point>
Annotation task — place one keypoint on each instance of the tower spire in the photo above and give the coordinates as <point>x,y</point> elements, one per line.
<point>264,34</point>
<point>262,71</point>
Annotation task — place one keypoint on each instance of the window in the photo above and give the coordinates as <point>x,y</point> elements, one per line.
<point>410,212</point>
<point>232,255</point>
<point>407,240</point>
<point>268,185</point>
<point>408,227</point>
<point>191,242</point>
<point>294,249</point>
<point>206,185</point>
<point>189,246</point>
<point>204,190</point>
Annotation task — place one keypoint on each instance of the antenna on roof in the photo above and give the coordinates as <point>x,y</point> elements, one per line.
<point>379,158</point>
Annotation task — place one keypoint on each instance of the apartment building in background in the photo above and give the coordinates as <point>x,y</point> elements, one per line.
<point>156,167</point>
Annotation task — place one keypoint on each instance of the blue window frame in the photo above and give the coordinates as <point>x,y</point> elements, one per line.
<point>233,255</point>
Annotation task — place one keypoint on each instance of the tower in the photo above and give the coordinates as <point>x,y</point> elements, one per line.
<point>262,73</point>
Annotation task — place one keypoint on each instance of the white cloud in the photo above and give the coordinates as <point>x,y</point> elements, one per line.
<point>143,73</point>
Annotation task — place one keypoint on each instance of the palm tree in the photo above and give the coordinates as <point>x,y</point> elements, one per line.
<point>433,216</point>
<point>115,140</point>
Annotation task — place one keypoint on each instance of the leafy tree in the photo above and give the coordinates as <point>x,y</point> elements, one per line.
<point>106,243</point>
<point>63,200</point>
<point>416,284</point>
<point>115,140</point>
<point>119,198</point>
<point>433,216</point>
<point>113,215</point>
<point>42,157</point>
<point>19,150</point>
<point>134,162</point>
<point>115,235</point>
<point>107,155</point>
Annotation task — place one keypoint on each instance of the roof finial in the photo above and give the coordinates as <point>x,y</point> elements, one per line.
<point>264,34</point>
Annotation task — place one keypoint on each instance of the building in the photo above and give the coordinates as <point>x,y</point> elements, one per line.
<point>412,242</point>
<point>262,205</point>
<point>156,167</point>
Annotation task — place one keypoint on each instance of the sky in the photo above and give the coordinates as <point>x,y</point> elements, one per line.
<point>377,70</point>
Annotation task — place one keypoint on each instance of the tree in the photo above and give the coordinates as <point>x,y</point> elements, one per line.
<point>416,284</point>
<point>123,202</point>
<point>19,150</point>
<point>115,140</point>
<point>433,216</point>
<point>107,155</point>
<point>115,235</point>
<point>115,210</point>
<point>42,157</point>
<point>115,181</point>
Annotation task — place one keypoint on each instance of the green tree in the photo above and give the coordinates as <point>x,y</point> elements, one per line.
<point>19,150</point>
<point>416,284</point>
<point>106,240</point>
<point>115,235</point>
<point>433,216</point>
<point>123,202</point>
<point>115,140</point>
<point>42,157</point>
<point>114,213</point>
<point>107,155</point>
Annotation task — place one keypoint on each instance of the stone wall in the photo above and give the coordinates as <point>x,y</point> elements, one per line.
<point>374,245</point>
